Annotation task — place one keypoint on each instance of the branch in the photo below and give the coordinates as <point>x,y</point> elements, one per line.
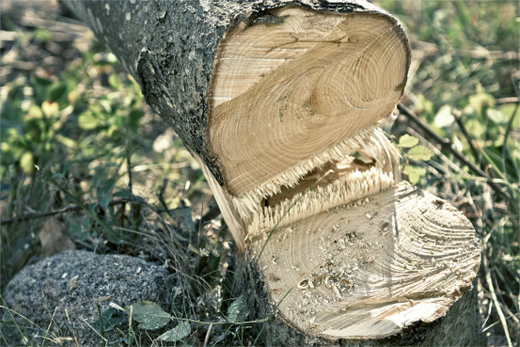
<point>468,137</point>
<point>55,212</point>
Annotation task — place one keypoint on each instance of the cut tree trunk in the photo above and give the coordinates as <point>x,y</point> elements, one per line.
<point>281,102</point>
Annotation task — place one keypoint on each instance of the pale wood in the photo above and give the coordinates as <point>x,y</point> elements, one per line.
<point>369,268</point>
<point>288,90</point>
<point>172,49</point>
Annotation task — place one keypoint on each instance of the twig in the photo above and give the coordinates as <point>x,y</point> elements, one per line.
<point>55,212</point>
<point>96,302</point>
<point>504,145</point>
<point>207,336</point>
<point>434,149</point>
<point>49,327</point>
<point>82,205</point>
<point>496,302</point>
<point>70,327</point>
<point>468,137</point>
<point>135,211</point>
<point>449,146</point>
<point>508,100</point>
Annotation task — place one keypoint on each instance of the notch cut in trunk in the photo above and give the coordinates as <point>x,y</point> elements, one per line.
<point>311,184</point>
<point>289,89</point>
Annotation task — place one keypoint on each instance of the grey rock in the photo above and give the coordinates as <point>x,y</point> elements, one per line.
<point>70,284</point>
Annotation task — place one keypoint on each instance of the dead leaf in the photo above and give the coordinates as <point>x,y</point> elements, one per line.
<point>73,283</point>
<point>52,239</point>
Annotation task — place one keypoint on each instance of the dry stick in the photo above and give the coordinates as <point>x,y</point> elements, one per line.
<point>49,327</point>
<point>448,145</point>
<point>468,137</point>
<point>82,205</point>
<point>435,150</point>
<point>496,302</point>
<point>55,212</point>
<point>504,145</point>
<point>507,100</point>
<point>207,336</point>
<point>70,325</point>
<point>134,211</point>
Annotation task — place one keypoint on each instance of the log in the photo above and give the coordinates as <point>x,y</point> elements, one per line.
<point>281,103</point>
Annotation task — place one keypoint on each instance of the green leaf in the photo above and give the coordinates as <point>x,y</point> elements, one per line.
<point>423,105</point>
<point>481,99</point>
<point>27,162</point>
<point>57,91</point>
<point>475,128</point>
<point>150,315</point>
<point>444,118</point>
<point>106,107</point>
<point>86,223</point>
<point>419,153</point>
<point>75,229</point>
<point>135,118</point>
<point>41,88</point>
<point>114,81</point>
<point>50,109</point>
<point>414,173</point>
<point>508,110</point>
<point>122,194</point>
<point>105,201</point>
<point>68,142</point>
<point>109,320</point>
<point>83,236</point>
<point>496,116</point>
<point>87,121</point>
<point>182,330</point>
<point>408,141</point>
<point>237,311</point>
<point>42,35</point>
<point>107,188</point>
<point>34,112</point>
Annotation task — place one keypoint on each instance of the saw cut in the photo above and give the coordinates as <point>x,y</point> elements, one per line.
<point>289,87</point>
<point>312,185</point>
<point>371,267</point>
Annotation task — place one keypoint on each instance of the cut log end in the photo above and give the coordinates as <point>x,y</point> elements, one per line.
<point>369,268</point>
<point>311,184</point>
<point>291,86</point>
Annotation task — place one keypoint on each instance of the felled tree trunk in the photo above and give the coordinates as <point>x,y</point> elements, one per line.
<point>280,102</point>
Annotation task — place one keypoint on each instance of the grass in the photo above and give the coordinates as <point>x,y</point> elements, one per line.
<point>77,138</point>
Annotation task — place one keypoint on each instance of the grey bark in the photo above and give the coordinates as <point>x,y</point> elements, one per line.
<point>169,47</point>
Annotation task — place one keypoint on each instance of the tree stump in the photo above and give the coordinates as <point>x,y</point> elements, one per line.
<point>281,103</point>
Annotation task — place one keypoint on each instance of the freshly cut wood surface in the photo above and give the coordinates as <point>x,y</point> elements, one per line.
<point>369,268</point>
<point>288,89</point>
<point>371,165</point>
